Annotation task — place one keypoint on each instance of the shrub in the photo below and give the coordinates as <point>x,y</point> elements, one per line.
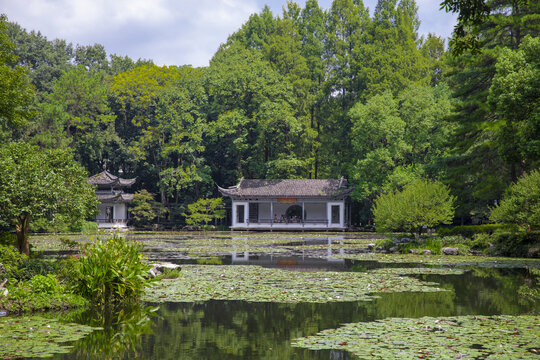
<point>33,267</point>
<point>469,231</point>
<point>204,211</point>
<point>40,293</point>
<point>41,284</point>
<point>521,202</point>
<point>112,271</point>
<point>11,259</point>
<point>422,203</point>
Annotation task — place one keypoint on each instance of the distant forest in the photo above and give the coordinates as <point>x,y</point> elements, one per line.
<point>309,93</point>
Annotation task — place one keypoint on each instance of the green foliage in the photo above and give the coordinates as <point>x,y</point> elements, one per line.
<point>145,209</point>
<point>41,284</point>
<point>469,231</point>
<point>422,203</point>
<point>34,266</point>
<point>203,211</point>
<point>11,260</point>
<point>521,203</point>
<point>169,274</point>
<point>16,92</point>
<point>46,184</point>
<point>112,271</point>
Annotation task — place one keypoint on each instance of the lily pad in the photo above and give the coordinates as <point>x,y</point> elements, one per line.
<point>480,261</point>
<point>38,337</point>
<point>419,271</point>
<point>254,283</point>
<point>460,337</point>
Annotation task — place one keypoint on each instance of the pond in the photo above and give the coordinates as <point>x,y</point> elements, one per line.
<point>254,296</point>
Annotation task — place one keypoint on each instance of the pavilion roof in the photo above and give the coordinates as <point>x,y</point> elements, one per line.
<point>292,188</point>
<point>105,178</point>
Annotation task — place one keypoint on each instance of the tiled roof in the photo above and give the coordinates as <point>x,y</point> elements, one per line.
<point>105,178</point>
<point>308,188</point>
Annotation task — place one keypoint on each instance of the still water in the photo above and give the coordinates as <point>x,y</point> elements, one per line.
<point>251,330</point>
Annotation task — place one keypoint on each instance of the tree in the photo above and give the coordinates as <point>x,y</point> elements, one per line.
<point>15,91</point>
<point>521,202</point>
<point>514,95</point>
<point>204,211</point>
<point>422,203</point>
<point>42,184</point>
<point>144,208</point>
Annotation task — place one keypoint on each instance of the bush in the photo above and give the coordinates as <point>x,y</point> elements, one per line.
<point>33,267</point>
<point>112,271</point>
<point>421,204</point>
<point>469,231</point>
<point>41,284</point>
<point>516,243</point>
<point>40,293</point>
<point>521,202</point>
<point>11,260</point>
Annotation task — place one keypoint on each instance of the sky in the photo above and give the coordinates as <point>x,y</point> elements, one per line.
<point>169,32</point>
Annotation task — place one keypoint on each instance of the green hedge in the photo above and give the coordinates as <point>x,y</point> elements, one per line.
<point>469,231</point>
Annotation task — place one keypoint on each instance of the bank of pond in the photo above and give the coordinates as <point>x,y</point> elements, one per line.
<point>266,296</point>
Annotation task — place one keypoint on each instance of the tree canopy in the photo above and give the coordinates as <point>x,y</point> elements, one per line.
<point>42,184</point>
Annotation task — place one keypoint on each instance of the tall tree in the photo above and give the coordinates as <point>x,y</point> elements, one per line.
<point>477,172</point>
<point>42,184</point>
<point>15,91</point>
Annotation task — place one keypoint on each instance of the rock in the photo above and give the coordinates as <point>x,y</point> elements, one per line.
<point>450,251</point>
<point>370,247</point>
<point>3,313</point>
<point>379,248</point>
<point>405,240</point>
<point>153,272</point>
<point>427,252</point>
<point>413,251</point>
<point>160,268</point>
<point>393,249</point>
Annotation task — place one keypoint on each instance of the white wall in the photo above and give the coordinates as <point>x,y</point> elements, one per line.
<point>315,211</point>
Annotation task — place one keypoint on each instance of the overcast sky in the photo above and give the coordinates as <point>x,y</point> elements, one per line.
<point>170,32</point>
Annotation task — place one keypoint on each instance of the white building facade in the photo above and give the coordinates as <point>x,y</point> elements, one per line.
<point>311,204</point>
<point>112,208</point>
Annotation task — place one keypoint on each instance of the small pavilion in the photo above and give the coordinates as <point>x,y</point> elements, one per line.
<point>113,199</point>
<point>309,204</point>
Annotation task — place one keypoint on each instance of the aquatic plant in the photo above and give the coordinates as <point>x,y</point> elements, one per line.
<point>38,337</point>
<point>459,337</point>
<point>112,271</point>
<point>254,283</point>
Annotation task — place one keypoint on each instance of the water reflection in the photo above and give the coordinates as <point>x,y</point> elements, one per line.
<point>123,328</point>
<point>242,330</point>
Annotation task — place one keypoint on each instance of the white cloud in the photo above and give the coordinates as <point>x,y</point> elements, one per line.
<point>172,32</point>
<point>166,31</point>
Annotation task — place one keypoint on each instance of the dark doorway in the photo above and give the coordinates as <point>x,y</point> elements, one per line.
<point>294,212</point>
<point>335,214</point>
<point>239,213</point>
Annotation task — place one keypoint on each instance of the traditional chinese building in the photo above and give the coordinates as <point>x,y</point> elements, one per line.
<point>113,199</point>
<point>289,204</point>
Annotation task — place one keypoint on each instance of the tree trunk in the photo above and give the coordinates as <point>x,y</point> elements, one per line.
<point>22,234</point>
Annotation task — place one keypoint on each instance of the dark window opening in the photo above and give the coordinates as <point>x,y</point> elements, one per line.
<point>253,212</point>
<point>335,214</point>
<point>239,213</point>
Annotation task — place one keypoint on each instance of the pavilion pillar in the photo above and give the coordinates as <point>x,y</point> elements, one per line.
<point>303,212</point>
